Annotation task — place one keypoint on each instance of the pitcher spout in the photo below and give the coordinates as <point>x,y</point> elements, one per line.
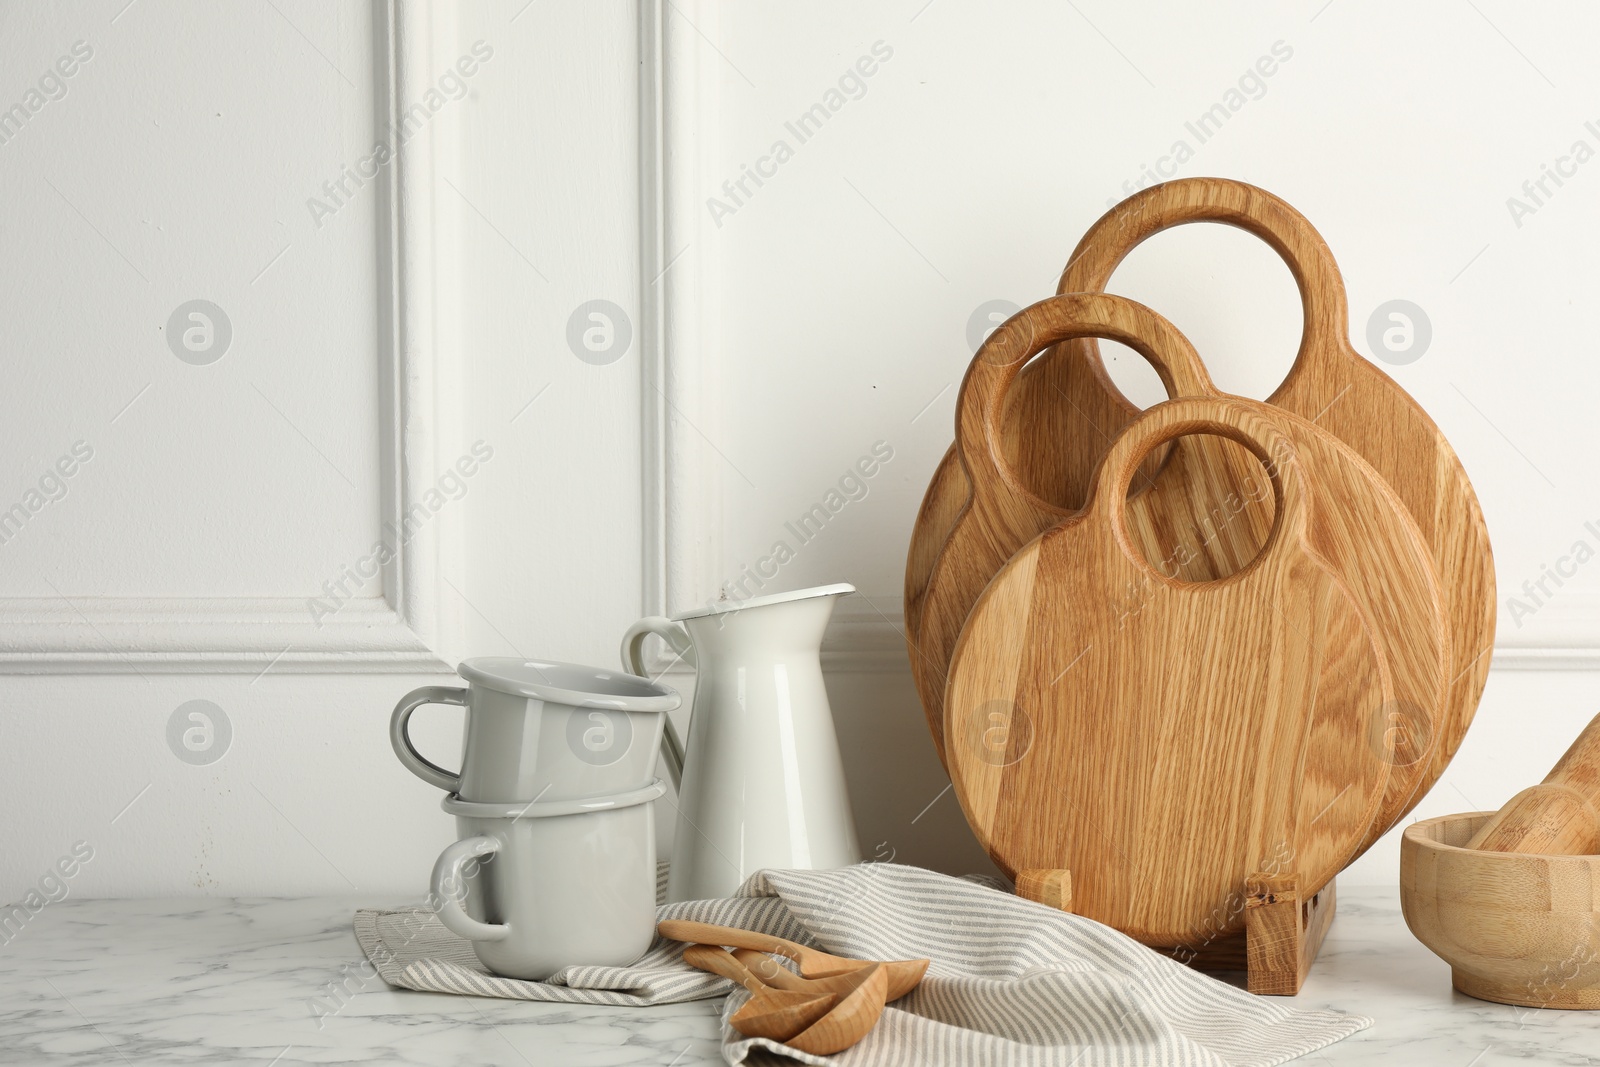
<point>788,622</point>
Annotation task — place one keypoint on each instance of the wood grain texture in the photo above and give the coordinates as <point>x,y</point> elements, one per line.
<point>1158,754</point>
<point>1058,395</point>
<point>1284,931</point>
<point>1209,493</point>
<point>1052,888</point>
<point>902,975</point>
<point>774,1013</point>
<point>1559,816</point>
<point>862,994</point>
<point>859,995</point>
<point>1515,928</point>
<point>767,968</point>
<point>1352,746</point>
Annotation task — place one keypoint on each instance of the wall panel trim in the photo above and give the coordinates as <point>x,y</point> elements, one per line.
<point>413,627</point>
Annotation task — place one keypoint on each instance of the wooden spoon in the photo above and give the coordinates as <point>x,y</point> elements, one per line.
<point>1559,816</point>
<point>778,1014</point>
<point>903,975</point>
<point>767,968</point>
<point>862,997</point>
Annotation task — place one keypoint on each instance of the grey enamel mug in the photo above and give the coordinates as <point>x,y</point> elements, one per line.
<point>539,887</point>
<point>538,730</point>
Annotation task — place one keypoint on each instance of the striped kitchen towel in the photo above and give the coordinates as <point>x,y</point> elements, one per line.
<point>1012,982</point>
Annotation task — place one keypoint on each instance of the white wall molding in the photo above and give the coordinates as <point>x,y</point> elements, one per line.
<point>421,415</point>
<point>1562,634</point>
<point>681,311</point>
<point>414,625</point>
<point>71,635</point>
<point>1560,637</point>
<point>1549,658</point>
<point>866,636</point>
<point>871,637</point>
<point>690,288</point>
<point>653,261</point>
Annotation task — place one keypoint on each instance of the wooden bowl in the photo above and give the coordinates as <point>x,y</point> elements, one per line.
<point>1516,929</point>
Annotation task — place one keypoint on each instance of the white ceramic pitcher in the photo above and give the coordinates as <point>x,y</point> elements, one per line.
<point>760,782</point>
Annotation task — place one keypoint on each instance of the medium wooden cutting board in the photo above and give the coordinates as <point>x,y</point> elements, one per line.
<point>1209,498</point>
<point>1164,755</point>
<point>1396,591</point>
<point>1046,443</point>
<point>1397,605</point>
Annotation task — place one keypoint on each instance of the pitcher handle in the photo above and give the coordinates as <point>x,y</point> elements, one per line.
<point>677,638</point>
<point>448,888</point>
<point>400,736</point>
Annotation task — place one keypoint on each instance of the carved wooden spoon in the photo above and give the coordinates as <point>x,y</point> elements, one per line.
<point>776,975</point>
<point>862,994</point>
<point>779,1014</point>
<point>903,975</point>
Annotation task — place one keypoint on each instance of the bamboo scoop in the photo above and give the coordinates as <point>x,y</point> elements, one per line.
<point>861,995</point>
<point>776,1013</point>
<point>1561,815</point>
<point>903,975</point>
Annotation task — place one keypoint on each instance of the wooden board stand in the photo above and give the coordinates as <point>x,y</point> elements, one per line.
<point>1281,937</point>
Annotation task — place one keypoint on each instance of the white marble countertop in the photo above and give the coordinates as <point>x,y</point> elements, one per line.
<point>283,982</point>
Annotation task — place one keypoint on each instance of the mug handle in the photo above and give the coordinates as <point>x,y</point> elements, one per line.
<point>448,889</point>
<point>677,638</point>
<point>400,737</point>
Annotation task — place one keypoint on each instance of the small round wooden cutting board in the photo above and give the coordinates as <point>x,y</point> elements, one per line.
<point>1165,747</point>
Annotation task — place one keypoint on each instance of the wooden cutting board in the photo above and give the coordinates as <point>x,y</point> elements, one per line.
<point>1163,756</point>
<point>1205,512</point>
<point>1398,592</point>
<point>1396,598</point>
<point>1046,444</point>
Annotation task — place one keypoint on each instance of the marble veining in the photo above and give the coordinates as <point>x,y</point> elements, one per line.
<point>283,982</point>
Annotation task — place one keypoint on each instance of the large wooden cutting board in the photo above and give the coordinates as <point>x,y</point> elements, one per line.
<point>1163,756</point>
<point>1045,439</point>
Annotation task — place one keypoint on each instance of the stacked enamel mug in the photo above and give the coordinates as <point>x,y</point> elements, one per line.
<point>556,861</point>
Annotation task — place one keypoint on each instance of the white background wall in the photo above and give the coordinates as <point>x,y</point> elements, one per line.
<point>828,312</point>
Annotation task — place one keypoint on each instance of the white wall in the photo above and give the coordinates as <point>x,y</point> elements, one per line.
<point>824,314</point>
<point>218,502</point>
